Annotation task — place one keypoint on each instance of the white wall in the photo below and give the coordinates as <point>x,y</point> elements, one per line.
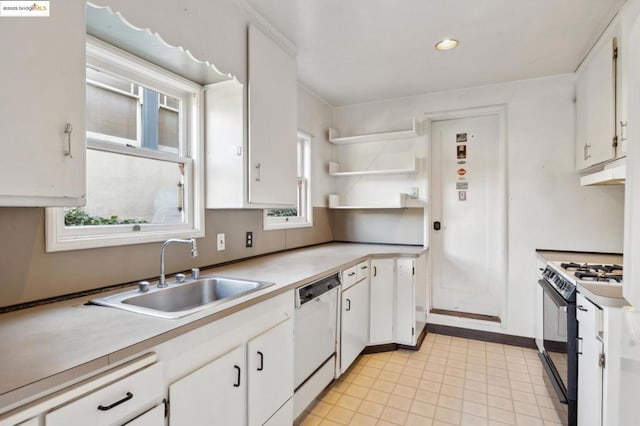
<point>547,208</point>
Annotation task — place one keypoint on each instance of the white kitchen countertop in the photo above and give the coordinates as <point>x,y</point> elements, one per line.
<point>47,346</point>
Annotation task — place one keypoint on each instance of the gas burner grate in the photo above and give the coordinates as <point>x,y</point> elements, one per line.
<point>594,272</point>
<point>598,276</point>
<point>571,266</point>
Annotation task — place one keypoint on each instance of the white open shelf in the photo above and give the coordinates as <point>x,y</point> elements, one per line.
<point>334,170</point>
<point>335,138</point>
<point>404,202</point>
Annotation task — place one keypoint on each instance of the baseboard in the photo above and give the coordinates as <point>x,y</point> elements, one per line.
<point>485,336</point>
<point>469,315</point>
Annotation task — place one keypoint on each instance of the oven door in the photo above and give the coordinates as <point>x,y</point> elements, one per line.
<point>555,338</point>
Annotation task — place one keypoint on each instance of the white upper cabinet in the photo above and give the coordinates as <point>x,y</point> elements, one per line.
<point>273,122</point>
<point>43,93</point>
<point>596,115</point>
<point>251,148</point>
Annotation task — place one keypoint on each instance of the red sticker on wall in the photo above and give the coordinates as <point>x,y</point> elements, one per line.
<point>462,172</point>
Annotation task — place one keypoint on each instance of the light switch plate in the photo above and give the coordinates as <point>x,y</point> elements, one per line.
<point>220,241</point>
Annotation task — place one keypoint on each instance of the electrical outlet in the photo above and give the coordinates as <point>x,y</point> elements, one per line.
<point>249,239</point>
<point>220,240</point>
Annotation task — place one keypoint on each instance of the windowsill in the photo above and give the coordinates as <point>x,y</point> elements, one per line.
<point>286,225</point>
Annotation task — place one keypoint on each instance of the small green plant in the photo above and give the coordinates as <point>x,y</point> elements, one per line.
<point>282,212</point>
<point>78,217</point>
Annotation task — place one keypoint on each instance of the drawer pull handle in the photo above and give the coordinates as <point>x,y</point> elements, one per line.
<point>261,361</point>
<point>363,267</point>
<point>115,404</point>
<point>582,308</point>
<point>351,274</point>
<point>237,383</point>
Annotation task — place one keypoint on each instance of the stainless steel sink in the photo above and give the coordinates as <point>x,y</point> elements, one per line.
<point>179,300</point>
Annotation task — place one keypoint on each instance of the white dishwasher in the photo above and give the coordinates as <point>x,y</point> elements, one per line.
<point>315,338</point>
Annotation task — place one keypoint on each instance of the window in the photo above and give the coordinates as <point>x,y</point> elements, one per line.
<point>144,180</point>
<point>301,215</point>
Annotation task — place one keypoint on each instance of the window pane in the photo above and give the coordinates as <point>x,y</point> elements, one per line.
<point>111,113</point>
<point>120,111</point>
<point>168,129</point>
<point>132,189</point>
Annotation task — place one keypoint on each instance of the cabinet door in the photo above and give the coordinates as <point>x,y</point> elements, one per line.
<point>354,323</point>
<point>213,394</point>
<point>582,120</point>
<point>596,105</point>
<point>270,370</point>
<point>405,302</point>
<point>42,89</point>
<point>589,370</point>
<point>272,122</point>
<point>153,417</point>
<point>382,300</point>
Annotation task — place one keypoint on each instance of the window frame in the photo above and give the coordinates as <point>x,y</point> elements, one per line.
<point>103,56</point>
<point>270,223</point>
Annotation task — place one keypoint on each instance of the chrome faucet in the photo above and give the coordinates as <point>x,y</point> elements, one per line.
<point>194,252</point>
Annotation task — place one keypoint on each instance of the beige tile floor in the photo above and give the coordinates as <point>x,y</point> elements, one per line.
<point>449,381</point>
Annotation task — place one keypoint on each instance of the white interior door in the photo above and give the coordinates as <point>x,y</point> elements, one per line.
<point>467,176</point>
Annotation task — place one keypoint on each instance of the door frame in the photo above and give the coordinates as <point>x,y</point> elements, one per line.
<point>501,111</point>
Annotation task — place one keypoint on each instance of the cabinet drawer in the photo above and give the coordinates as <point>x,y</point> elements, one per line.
<point>589,315</point>
<point>362,270</point>
<point>349,277</point>
<point>113,404</point>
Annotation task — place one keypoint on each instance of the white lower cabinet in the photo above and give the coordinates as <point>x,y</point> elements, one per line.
<point>382,296</point>
<point>590,351</point>
<point>246,385</point>
<point>114,404</point>
<point>393,318</point>
<point>405,318</point>
<point>354,322</point>
<point>213,394</point>
<point>270,372</point>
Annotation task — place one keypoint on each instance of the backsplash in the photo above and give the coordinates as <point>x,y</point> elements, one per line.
<point>29,273</point>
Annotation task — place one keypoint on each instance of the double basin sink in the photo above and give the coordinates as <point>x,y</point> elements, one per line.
<point>181,299</point>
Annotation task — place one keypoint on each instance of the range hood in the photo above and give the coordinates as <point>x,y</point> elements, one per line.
<point>613,173</point>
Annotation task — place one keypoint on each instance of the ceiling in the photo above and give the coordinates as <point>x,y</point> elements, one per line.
<point>353,51</point>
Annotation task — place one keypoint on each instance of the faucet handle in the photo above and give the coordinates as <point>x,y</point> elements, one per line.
<point>195,273</point>
<point>180,278</point>
<point>143,286</point>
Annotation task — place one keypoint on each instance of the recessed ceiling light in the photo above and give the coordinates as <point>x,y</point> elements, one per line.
<point>446,44</point>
